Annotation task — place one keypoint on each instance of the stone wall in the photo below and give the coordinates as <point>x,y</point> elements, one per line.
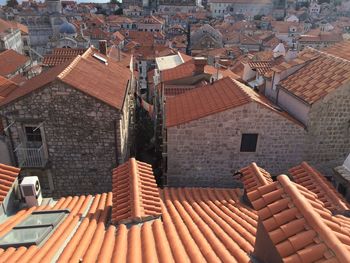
<point>79,135</point>
<point>329,130</point>
<point>205,152</point>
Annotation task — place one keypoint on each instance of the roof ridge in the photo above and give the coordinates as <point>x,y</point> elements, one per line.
<point>322,184</point>
<point>69,67</point>
<point>322,229</point>
<point>257,171</point>
<point>134,188</point>
<point>135,193</point>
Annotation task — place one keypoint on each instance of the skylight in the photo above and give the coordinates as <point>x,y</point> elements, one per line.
<point>33,229</point>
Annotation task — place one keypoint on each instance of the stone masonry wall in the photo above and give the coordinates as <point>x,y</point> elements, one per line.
<point>329,130</point>
<point>205,152</point>
<point>79,132</point>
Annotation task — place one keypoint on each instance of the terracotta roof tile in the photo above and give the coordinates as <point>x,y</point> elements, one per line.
<point>341,49</point>
<point>315,182</point>
<point>135,193</point>
<point>35,83</point>
<point>8,175</point>
<point>203,101</point>
<point>298,224</point>
<point>254,177</point>
<point>61,55</point>
<point>54,60</point>
<point>181,71</point>
<point>6,87</point>
<point>196,225</point>
<point>11,61</point>
<point>87,74</point>
<point>318,78</point>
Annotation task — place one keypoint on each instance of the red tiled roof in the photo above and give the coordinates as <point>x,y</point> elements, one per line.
<point>315,182</point>
<point>135,193</point>
<point>197,225</point>
<point>203,101</point>
<point>174,90</point>
<point>11,61</point>
<point>8,175</point>
<point>298,224</point>
<point>181,71</point>
<point>86,73</point>
<point>107,83</point>
<point>35,83</point>
<point>88,230</point>
<point>254,177</point>
<point>54,60</point>
<point>341,49</point>
<point>6,87</point>
<point>68,51</point>
<point>318,78</point>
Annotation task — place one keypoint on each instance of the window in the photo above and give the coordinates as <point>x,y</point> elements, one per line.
<point>33,229</point>
<point>33,134</point>
<point>249,142</point>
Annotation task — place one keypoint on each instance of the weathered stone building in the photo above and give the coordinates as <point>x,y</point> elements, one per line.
<point>214,130</point>
<point>70,125</point>
<point>206,37</point>
<point>315,89</point>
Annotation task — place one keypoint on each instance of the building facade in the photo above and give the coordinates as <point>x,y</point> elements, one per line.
<point>66,135</point>
<point>208,150</point>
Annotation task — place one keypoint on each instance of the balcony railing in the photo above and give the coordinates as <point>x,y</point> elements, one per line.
<point>30,157</point>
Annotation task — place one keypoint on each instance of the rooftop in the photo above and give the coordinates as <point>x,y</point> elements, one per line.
<point>210,99</point>
<point>11,61</point>
<point>193,224</point>
<point>319,77</point>
<point>85,73</point>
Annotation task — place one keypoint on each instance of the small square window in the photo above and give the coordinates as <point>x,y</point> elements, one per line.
<point>249,142</point>
<point>33,134</point>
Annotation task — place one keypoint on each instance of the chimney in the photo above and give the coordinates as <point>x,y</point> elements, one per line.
<point>102,46</point>
<point>199,63</point>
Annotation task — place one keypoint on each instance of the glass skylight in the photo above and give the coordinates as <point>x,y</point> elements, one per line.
<point>33,229</point>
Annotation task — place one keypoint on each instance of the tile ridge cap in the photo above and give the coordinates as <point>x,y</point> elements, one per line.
<point>258,173</point>
<point>323,185</point>
<point>134,188</point>
<point>314,219</point>
<point>69,68</point>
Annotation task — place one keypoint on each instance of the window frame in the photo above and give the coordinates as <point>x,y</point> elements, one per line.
<point>246,147</point>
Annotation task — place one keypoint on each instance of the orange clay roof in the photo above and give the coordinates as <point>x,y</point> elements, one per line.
<point>107,83</point>
<point>318,78</point>
<point>341,49</point>
<point>197,225</point>
<point>254,177</point>
<point>299,225</point>
<point>315,182</point>
<point>6,87</point>
<point>88,213</point>
<point>203,101</point>
<point>181,71</point>
<point>54,60</point>
<point>11,61</point>
<point>135,193</point>
<point>61,55</point>
<point>8,175</point>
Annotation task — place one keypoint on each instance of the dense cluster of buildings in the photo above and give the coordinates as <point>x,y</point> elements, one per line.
<point>239,112</point>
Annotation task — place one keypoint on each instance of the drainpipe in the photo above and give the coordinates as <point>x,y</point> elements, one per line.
<point>116,142</point>
<point>11,149</point>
